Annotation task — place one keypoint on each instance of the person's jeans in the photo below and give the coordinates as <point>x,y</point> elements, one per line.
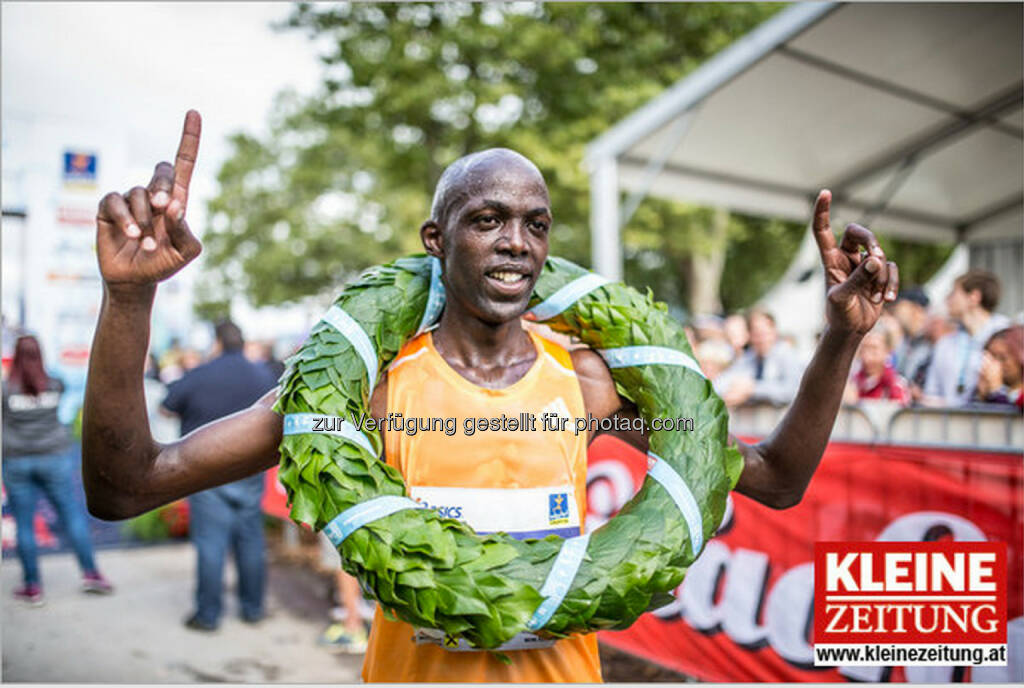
<point>216,524</point>
<point>24,478</point>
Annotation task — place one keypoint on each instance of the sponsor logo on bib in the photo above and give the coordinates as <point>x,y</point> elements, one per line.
<point>558,508</point>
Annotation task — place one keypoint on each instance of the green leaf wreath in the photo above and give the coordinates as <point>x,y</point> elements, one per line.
<point>436,572</point>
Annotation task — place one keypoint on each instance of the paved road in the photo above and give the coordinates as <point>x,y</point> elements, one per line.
<point>136,635</point>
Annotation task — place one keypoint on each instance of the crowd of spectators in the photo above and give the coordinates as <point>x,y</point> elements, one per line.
<point>170,365</point>
<point>173,362</point>
<point>766,369</point>
<point>966,355</point>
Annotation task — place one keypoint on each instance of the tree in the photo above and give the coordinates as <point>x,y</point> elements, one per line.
<point>344,178</point>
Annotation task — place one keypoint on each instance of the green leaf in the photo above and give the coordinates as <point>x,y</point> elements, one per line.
<point>417,578</point>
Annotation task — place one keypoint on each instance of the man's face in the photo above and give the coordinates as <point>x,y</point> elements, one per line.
<point>762,334</point>
<point>495,240</point>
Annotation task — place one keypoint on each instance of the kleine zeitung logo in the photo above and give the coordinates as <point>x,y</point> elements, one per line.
<point>929,602</point>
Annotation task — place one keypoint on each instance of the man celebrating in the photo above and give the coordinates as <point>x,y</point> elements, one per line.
<point>489,228</point>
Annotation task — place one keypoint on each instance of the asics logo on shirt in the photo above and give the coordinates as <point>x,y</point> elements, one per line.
<point>444,511</point>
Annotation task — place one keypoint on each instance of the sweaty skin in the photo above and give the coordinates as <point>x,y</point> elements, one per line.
<point>489,228</point>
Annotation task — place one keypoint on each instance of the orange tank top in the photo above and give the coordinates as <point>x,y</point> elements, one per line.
<point>509,475</point>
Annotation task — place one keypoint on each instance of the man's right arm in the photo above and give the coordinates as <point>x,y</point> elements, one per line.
<point>126,472</point>
<point>141,239</point>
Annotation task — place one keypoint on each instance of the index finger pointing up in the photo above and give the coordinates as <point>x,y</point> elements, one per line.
<point>821,223</point>
<point>185,160</point>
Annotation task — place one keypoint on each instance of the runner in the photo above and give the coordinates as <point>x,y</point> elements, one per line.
<point>489,227</point>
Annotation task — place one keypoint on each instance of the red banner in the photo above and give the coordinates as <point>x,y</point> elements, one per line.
<point>745,611</point>
<point>275,499</point>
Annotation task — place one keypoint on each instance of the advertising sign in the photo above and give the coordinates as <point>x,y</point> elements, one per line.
<point>746,611</point>
<point>921,603</point>
<point>79,168</point>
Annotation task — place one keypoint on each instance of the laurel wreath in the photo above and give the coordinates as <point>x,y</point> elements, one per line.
<point>435,572</point>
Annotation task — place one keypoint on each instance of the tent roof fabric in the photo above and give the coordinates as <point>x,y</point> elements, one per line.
<point>910,113</point>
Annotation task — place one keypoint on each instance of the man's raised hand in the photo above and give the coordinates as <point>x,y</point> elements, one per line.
<point>858,278</point>
<point>141,236</point>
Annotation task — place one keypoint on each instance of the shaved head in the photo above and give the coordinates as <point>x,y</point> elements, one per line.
<point>460,177</point>
<point>489,226</point>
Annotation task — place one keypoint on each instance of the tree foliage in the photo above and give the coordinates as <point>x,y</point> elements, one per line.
<point>344,179</point>
<point>917,261</point>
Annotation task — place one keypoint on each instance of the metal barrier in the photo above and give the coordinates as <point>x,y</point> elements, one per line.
<point>978,427</point>
<point>986,428</point>
<point>853,424</point>
<point>755,420</point>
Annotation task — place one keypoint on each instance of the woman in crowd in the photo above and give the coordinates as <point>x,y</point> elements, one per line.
<point>876,379</point>
<point>38,456</point>
<point>1002,368</point>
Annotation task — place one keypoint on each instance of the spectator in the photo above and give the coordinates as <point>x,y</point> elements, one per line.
<point>768,371</point>
<point>229,515</point>
<point>938,327</point>
<point>953,373</point>
<point>1002,368</point>
<point>263,353</point>
<point>714,356</point>
<point>914,353</point>
<point>736,334</point>
<point>876,378</point>
<point>708,327</point>
<point>893,330</point>
<point>38,456</point>
<point>169,362</point>
<point>172,355</point>
<point>190,358</point>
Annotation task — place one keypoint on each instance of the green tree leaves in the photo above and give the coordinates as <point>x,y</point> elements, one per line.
<point>344,179</point>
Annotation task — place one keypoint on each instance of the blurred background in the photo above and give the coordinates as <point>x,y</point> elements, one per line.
<point>683,146</point>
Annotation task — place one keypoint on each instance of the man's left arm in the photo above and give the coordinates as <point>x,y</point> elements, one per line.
<point>776,470</point>
<point>858,280</point>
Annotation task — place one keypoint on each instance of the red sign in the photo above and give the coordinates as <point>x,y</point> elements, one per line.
<point>746,610</point>
<point>75,356</point>
<point>77,216</point>
<point>909,592</point>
